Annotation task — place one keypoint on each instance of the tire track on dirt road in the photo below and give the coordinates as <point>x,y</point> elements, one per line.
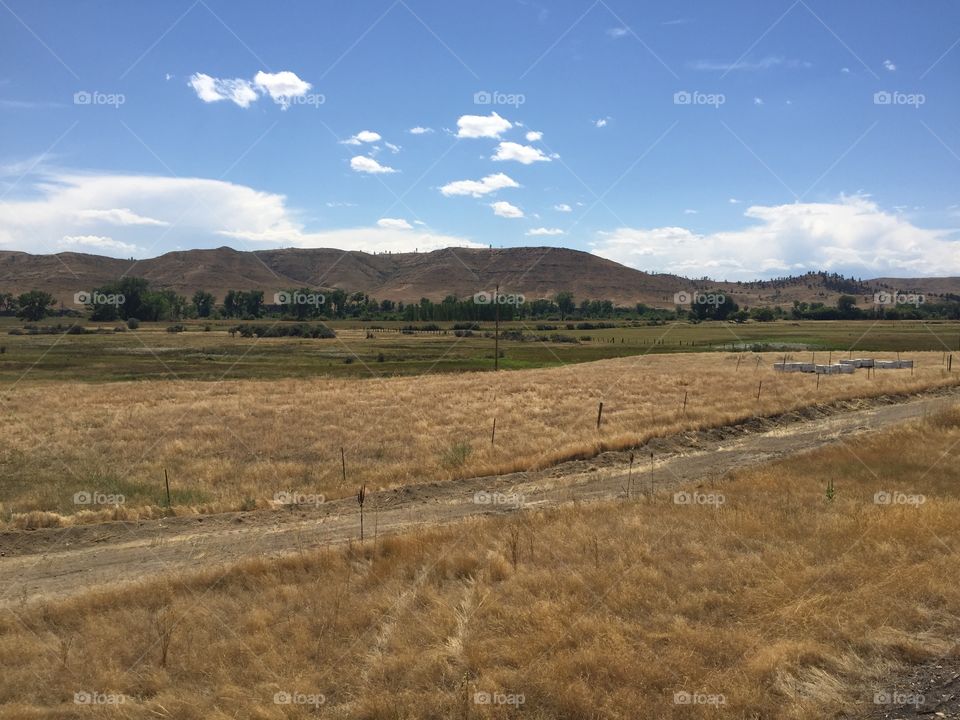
<point>63,562</point>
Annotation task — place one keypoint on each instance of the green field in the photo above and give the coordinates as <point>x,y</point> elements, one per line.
<point>198,353</point>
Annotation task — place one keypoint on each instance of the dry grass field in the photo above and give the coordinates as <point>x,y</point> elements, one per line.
<point>778,599</point>
<point>237,444</point>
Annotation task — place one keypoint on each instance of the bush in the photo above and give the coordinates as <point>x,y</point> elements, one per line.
<point>466,326</point>
<point>303,330</point>
<point>456,455</point>
<point>463,333</point>
<point>178,328</point>
<point>133,323</point>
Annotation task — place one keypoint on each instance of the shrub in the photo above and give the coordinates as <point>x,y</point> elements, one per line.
<point>178,328</point>
<point>456,455</point>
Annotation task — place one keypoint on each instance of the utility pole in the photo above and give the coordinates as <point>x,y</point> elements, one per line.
<point>496,334</point>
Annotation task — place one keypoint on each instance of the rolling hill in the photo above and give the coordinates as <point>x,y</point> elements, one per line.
<point>536,272</point>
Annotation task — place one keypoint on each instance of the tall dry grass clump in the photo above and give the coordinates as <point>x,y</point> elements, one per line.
<point>236,444</point>
<point>758,597</point>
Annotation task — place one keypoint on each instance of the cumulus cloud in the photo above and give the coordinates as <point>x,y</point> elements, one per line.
<point>562,207</point>
<point>601,122</point>
<point>201,213</point>
<point>281,87</point>
<point>364,136</point>
<point>544,231</point>
<point>211,89</point>
<point>479,188</point>
<point>504,209</point>
<point>852,235</point>
<point>420,130</point>
<point>888,64</point>
<point>521,153</point>
<point>533,135</point>
<point>482,126</point>
<point>364,164</point>
<point>394,223</point>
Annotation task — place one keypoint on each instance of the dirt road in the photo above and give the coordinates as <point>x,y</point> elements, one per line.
<point>61,562</point>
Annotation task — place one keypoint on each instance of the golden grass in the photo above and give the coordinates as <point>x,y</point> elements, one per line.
<point>780,602</point>
<point>235,444</point>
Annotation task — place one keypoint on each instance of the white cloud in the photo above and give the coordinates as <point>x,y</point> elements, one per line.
<point>364,136</point>
<point>208,213</point>
<point>889,65</point>
<point>521,153</point>
<point>618,32</point>
<point>766,63</point>
<point>758,101</point>
<point>534,135</point>
<point>602,122</point>
<point>544,231</point>
<point>394,223</point>
<point>562,207</point>
<point>733,201</point>
<point>479,188</point>
<point>420,130</point>
<point>281,87</point>
<point>391,147</point>
<point>211,89</point>
<point>845,70</point>
<point>368,165</point>
<point>503,209</point>
<point>119,216</point>
<point>691,211</point>
<point>482,126</point>
<point>852,235</point>
<point>97,243</point>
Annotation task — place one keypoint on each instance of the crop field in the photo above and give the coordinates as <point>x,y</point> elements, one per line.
<point>70,451</point>
<point>802,589</point>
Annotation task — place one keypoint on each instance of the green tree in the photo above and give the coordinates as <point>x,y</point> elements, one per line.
<point>203,303</point>
<point>565,304</point>
<point>34,305</point>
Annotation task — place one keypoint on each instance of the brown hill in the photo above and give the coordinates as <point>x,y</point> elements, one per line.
<point>536,272</point>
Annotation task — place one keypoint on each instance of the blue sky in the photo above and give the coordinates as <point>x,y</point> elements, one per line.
<point>735,139</point>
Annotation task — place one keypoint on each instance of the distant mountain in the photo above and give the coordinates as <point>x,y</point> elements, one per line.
<point>536,272</point>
